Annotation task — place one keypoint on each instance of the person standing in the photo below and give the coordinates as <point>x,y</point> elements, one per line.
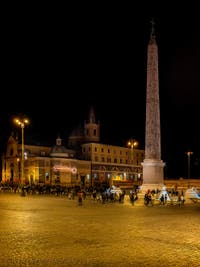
<point>80,198</point>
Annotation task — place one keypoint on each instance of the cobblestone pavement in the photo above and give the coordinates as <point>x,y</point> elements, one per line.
<point>54,231</point>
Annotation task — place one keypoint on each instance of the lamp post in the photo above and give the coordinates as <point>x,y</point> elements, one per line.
<point>132,143</point>
<point>189,153</point>
<point>22,123</point>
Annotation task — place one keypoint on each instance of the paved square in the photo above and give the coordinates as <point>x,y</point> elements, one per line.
<point>54,231</point>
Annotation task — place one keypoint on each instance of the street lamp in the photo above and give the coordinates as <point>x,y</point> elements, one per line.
<point>132,143</point>
<point>189,153</point>
<point>22,123</point>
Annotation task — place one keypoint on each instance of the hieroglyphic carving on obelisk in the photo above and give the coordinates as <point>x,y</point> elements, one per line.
<point>152,164</point>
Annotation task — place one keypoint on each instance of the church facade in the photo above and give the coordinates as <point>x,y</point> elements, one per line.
<point>84,162</point>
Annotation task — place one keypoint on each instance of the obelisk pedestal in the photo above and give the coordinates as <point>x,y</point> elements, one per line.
<point>153,173</point>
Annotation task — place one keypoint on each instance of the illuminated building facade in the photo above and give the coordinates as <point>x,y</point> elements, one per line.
<point>43,165</point>
<point>113,164</point>
<point>85,162</point>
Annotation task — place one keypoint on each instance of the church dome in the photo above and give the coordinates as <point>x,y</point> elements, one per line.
<point>61,151</point>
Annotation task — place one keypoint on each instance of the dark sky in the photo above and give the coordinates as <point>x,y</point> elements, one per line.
<point>57,61</point>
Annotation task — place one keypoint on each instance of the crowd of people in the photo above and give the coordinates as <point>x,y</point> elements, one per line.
<point>103,194</point>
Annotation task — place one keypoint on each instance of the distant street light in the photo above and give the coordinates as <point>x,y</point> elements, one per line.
<point>132,143</point>
<point>22,123</point>
<point>189,153</point>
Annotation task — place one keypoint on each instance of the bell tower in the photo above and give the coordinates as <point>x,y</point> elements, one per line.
<point>91,128</point>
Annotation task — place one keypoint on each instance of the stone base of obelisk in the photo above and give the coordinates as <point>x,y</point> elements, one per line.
<point>152,175</point>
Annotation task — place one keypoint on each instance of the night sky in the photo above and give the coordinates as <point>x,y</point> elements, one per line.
<point>58,61</point>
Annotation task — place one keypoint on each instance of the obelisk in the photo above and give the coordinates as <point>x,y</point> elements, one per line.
<point>153,166</point>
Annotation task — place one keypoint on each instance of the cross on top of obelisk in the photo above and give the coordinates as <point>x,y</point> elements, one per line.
<point>152,28</point>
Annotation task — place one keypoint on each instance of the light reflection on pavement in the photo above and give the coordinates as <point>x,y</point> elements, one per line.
<point>54,231</point>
